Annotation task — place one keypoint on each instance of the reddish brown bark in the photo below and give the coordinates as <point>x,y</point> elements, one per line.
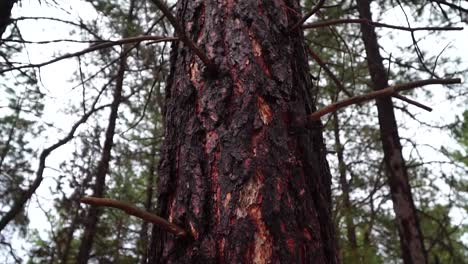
<point>411,240</point>
<point>239,170</point>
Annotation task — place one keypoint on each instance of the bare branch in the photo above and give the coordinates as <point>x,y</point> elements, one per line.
<point>25,195</point>
<point>131,210</point>
<point>389,91</point>
<point>328,71</point>
<point>451,5</point>
<point>309,14</point>
<point>410,101</point>
<point>372,23</point>
<point>94,48</point>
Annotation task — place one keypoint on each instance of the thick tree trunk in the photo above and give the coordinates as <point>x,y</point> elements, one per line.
<point>411,241</point>
<point>241,170</point>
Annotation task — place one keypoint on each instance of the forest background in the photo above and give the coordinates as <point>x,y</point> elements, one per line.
<point>39,106</point>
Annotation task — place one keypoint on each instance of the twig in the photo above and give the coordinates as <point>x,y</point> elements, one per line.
<point>131,210</point>
<point>94,48</point>
<point>183,36</point>
<point>451,5</point>
<point>306,16</point>
<point>328,71</point>
<point>389,91</point>
<point>410,101</point>
<point>372,23</point>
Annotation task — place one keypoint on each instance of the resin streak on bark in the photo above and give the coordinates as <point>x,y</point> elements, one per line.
<point>239,171</point>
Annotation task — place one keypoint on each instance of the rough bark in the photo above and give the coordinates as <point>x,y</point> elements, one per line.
<point>5,15</point>
<point>241,170</point>
<point>411,239</point>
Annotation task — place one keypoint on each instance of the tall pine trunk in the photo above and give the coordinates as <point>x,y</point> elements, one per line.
<point>241,170</point>
<point>411,240</point>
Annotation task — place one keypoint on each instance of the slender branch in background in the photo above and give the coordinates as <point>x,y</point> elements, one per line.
<point>80,25</point>
<point>11,251</point>
<point>26,195</point>
<point>410,101</point>
<point>451,5</point>
<point>390,91</point>
<point>131,210</point>
<point>341,87</point>
<point>419,53</point>
<point>94,48</point>
<point>374,24</point>
<point>183,36</point>
<point>328,71</point>
<point>309,14</point>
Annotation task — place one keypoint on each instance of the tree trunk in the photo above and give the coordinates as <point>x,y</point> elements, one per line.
<point>345,188</point>
<point>5,15</point>
<point>411,240</point>
<point>102,169</point>
<point>241,170</point>
<point>149,199</point>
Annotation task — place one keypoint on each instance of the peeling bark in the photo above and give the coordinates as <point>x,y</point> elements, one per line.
<point>239,170</point>
<point>411,240</point>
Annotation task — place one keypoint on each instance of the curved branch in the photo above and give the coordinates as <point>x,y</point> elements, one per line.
<point>26,195</point>
<point>389,91</point>
<point>131,210</point>
<point>372,23</point>
<point>95,47</point>
<point>309,14</point>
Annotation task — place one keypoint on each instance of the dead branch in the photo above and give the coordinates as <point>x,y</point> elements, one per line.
<point>327,70</point>
<point>372,23</point>
<point>131,210</point>
<point>95,47</point>
<point>389,91</point>
<point>410,101</point>
<point>451,5</point>
<point>306,16</point>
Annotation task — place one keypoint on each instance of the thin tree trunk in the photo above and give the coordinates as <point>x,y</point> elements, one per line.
<point>149,201</point>
<point>411,240</point>
<point>345,188</point>
<point>241,171</point>
<point>102,169</point>
<point>76,215</point>
<point>103,165</point>
<point>5,15</point>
